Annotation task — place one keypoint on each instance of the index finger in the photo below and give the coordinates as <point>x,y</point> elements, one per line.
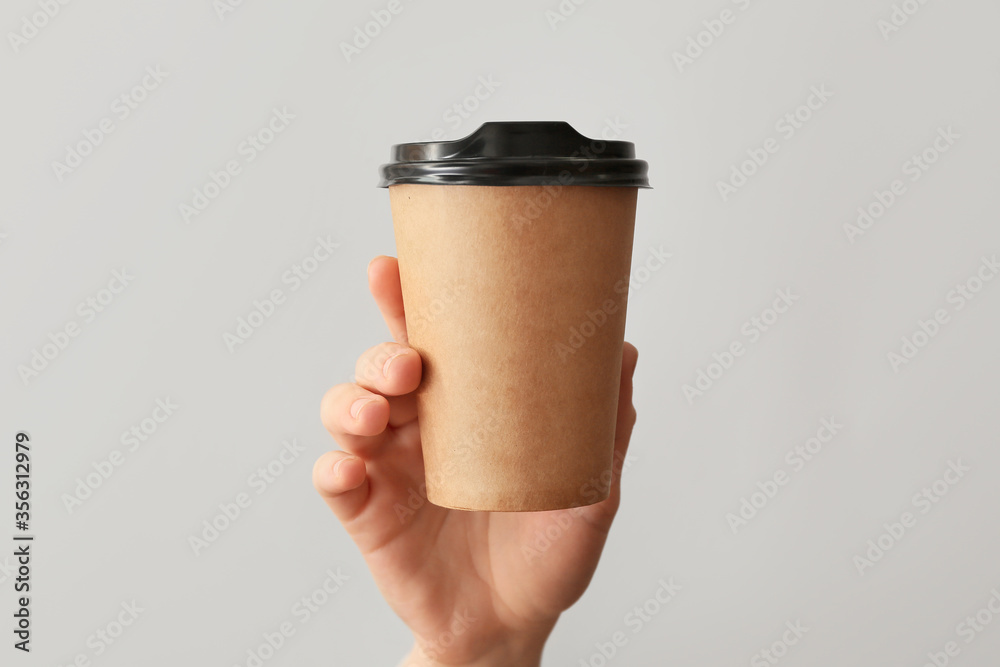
<point>383,281</point>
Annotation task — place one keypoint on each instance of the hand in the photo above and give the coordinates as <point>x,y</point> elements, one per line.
<point>474,587</point>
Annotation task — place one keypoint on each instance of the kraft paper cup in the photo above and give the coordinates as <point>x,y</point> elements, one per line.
<point>521,330</point>
<point>514,254</point>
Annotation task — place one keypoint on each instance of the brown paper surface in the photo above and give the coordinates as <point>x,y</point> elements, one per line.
<point>515,297</point>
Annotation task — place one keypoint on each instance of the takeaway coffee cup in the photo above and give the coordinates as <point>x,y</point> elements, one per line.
<point>515,247</point>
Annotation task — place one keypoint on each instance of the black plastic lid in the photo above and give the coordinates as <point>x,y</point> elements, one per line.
<point>517,153</point>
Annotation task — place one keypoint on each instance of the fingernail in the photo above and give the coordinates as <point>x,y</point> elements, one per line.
<point>336,466</point>
<point>385,367</point>
<point>358,405</point>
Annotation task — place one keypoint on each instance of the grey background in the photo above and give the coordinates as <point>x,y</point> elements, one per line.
<point>607,62</point>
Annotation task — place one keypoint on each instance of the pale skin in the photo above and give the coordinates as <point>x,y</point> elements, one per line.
<point>460,580</point>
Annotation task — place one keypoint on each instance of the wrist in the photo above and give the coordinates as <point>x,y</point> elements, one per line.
<point>522,650</point>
